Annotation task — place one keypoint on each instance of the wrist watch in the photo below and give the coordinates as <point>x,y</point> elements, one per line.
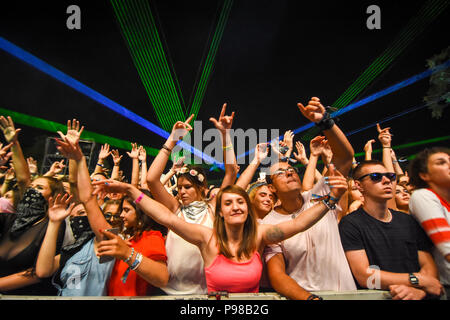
<point>413,279</point>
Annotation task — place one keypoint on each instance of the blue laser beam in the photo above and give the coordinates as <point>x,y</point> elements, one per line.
<point>370,98</point>
<point>96,96</point>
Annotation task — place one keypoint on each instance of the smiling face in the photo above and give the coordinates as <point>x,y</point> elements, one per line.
<point>233,208</point>
<point>263,201</point>
<point>128,215</point>
<point>374,190</point>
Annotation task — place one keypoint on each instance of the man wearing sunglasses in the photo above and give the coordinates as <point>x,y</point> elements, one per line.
<point>313,260</point>
<point>387,249</point>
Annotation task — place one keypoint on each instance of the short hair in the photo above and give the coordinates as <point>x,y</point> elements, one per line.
<point>357,171</point>
<point>420,165</point>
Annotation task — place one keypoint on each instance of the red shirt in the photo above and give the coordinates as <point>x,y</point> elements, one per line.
<point>151,245</point>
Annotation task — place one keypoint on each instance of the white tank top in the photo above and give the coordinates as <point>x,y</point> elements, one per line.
<point>185,263</point>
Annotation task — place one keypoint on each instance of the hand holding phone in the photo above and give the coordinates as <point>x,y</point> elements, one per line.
<point>104,259</point>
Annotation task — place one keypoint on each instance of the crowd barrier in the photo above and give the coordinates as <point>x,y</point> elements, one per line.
<point>326,295</point>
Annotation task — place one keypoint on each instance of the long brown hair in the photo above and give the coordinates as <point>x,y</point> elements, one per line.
<point>248,244</point>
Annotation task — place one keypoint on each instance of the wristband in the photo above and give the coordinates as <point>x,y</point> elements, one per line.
<point>100,165</point>
<point>326,123</point>
<point>137,261</point>
<point>166,148</point>
<point>129,258</point>
<point>327,203</point>
<point>227,147</point>
<point>138,199</point>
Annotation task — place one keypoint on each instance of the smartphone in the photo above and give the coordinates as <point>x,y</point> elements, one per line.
<point>179,161</point>
<point>262,176</point>
<point>104,259</point>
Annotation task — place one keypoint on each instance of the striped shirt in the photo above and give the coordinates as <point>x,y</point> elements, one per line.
<point>433,214</point>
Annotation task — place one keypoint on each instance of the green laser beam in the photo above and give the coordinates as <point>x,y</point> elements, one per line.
<point>54,127</point>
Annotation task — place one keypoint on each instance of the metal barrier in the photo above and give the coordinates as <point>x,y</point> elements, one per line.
<point>326,295</point>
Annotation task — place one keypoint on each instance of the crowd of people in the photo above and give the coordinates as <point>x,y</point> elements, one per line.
<point>312,223</point>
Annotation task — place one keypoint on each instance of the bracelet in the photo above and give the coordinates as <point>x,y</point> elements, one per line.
<point>137,261</point>
<point>100,165</point>
<point>166,148</point>
<point>129,258</point>
<point>327,203</point>
<point>326,123</point>
<point>138,199</point>
<point>227,147</point>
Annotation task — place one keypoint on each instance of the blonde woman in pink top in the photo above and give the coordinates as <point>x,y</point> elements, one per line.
<point>232,249</point>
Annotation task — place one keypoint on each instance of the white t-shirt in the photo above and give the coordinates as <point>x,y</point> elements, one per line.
<point>185,264</point>
<point>314,258</point>
<point>434,218</point>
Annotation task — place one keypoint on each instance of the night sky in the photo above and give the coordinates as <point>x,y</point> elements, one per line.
<point>272,55</point>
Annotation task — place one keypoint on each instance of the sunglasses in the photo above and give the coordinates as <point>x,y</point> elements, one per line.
<point>378,176</point>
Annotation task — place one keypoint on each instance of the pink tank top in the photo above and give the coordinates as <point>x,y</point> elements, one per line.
<point>234,277</point>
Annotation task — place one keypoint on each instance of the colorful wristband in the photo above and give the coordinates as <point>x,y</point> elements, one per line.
<point>138,199</point>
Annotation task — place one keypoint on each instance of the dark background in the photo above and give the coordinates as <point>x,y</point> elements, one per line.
<point>273,54</point>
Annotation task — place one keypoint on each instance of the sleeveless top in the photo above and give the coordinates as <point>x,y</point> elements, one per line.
<point>234,277</point>
<point>185,262</point>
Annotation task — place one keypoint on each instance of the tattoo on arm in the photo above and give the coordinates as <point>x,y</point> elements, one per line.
<point>274,234</point>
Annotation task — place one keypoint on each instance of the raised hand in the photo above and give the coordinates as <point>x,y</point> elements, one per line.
<point>59,207</point>
<point>73,132</point>
<point>314,111</point>
<point>301,153</point>
<point>142,154</point>
<point>224,122</point>
<point>32,165</point>
<point>4,154</point>
<point>180,129</point>
<point>103,187</point>
<point>327,152</point>
<point>384,136</point>
<point>104,152</point>
<point>57,167</point>
<point>178,164</point>
<point>134,154</point>
<point>69,150</point>
<point>336,181</point>
<point>289,139</point>
<point>116,157</point>
<point>261,151</point>
<point>368,146</point>
<point>9,131</point>
<point>316,145</point>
